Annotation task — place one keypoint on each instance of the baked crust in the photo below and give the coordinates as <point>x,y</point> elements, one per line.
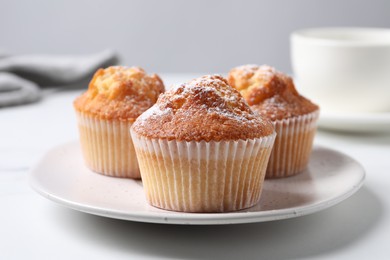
<point>269,92</point>
<point>204,109</point>
<point>120,93</point>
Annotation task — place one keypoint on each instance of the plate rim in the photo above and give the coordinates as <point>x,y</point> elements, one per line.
<point>186,218</point>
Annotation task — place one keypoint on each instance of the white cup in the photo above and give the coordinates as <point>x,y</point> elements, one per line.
<point>343,69</point>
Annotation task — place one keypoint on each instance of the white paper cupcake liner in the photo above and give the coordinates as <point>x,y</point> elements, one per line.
<point>107,146</point>
<point>202,176</point>
<point>293,145</point>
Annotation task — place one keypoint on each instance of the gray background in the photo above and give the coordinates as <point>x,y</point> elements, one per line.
<point>177,36</point>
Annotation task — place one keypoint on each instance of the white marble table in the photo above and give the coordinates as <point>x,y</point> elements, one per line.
<point>32,227</point>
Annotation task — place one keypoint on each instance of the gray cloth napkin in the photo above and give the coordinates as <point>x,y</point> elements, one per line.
<point>23,76</point>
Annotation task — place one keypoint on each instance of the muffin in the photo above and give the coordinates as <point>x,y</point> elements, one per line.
<point>116,96</point>
<point>202,149</point>
<point>273,95</point>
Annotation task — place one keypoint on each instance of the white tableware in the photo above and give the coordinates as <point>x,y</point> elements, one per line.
<point>61,176</point>
<point>355,122</point>
<point>343,69</point>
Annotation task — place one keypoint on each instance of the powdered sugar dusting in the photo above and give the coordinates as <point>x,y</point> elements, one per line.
<point>252,69</point>
<point>153,112</point>
<point>269,92</point>
<point>206,109</point>
<point>210,94</point>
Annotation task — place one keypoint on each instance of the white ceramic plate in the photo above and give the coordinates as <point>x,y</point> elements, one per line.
<point>62,177</point>
<point>355,122</point>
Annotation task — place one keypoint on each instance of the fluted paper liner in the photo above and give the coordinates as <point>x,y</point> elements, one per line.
<point>202,176</point>
<point>293,145</point>
<point>107,146</point>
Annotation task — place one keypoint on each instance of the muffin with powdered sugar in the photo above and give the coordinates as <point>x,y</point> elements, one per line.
<point>273,95</point>
<point>202,149</point>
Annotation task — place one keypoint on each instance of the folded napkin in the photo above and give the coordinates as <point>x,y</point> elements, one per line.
<point>23,76</point>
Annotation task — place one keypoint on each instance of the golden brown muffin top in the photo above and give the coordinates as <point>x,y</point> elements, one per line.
<point>205,108</point>
<point>120,93</point>
<point>269,92</point>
